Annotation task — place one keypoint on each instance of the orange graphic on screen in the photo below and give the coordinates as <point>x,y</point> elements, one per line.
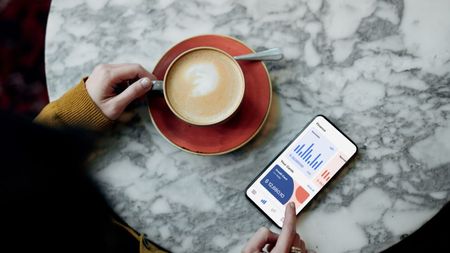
<point>301,194</point>
<point>328,172</point>
<point>325,175</point>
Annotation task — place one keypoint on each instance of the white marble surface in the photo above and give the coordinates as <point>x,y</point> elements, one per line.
<point>379,69</point>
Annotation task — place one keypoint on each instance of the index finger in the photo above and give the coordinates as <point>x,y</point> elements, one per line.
<point>122,72</point>
<point>288,231</point>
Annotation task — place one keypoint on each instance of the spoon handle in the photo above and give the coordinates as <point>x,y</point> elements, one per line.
<point>273,54</point>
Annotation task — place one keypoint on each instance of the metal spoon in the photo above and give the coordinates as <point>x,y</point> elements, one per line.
<point>273,54</point>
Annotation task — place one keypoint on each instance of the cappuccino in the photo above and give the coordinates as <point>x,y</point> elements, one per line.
<point>204,86</point>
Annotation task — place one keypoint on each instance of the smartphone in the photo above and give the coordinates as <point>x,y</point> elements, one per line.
<point>301,169</point>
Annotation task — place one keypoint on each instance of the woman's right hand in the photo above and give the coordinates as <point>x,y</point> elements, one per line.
<point>287,241</point>
<point>101,86</point>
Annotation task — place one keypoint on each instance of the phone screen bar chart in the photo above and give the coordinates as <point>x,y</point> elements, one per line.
<point>311,152</point>
<point>307,154</point>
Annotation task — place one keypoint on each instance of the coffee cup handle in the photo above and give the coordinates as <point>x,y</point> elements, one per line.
<point>157,85</point>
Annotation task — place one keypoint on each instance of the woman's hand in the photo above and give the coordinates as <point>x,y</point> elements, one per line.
<point>102,86</point>
<point>282,243</point>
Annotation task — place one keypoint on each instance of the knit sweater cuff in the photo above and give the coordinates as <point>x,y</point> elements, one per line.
<point>76,108</point>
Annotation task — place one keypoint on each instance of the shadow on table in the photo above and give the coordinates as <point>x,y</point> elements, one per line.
<point>431,237</point>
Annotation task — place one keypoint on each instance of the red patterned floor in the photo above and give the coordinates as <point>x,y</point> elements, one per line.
<point>22,71</point>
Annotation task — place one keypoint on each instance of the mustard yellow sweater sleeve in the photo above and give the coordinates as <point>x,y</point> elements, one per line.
<point>75,109</point>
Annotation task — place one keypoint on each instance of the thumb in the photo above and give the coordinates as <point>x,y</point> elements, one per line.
<point>132,92</point>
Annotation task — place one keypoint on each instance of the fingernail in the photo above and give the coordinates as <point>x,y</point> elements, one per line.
<point>292,205</point>
<point>145,82</point>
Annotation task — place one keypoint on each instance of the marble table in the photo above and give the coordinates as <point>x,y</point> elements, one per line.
<point>380,70</point>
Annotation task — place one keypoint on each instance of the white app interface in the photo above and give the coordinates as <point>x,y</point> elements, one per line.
<point>304,167</point>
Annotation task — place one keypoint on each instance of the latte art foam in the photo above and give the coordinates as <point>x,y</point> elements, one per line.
<point>204,77</point>
<point>204,86</point>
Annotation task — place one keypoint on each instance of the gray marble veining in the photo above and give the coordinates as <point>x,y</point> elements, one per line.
<point>380,70</point>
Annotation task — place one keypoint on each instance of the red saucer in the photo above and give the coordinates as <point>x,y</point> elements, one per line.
<point>231,134</point>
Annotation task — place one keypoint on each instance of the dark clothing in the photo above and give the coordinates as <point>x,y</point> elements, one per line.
<point>48,203</point>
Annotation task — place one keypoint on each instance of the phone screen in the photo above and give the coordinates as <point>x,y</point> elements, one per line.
<point>301,170</point>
